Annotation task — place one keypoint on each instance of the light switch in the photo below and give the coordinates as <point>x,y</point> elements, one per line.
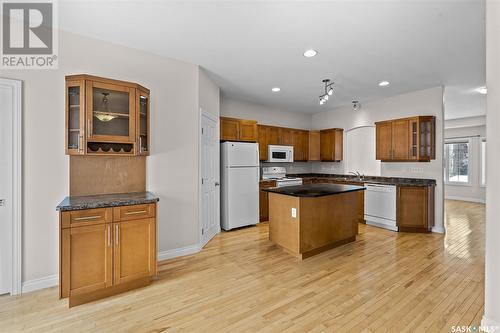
<point>294,213</point>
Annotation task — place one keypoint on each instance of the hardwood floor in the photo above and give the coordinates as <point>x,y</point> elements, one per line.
<point>383,282</point>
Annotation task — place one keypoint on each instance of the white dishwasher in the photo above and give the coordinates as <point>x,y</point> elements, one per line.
<point>380,206</point>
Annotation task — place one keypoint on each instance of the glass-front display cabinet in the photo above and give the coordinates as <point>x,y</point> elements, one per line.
<point>75,117</point>
<point>143,123</point>
<point>422,138</point>
<point>106,117</point>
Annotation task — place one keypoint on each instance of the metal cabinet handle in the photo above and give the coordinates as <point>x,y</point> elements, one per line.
<point>109,235</point>
<point>86,218</point>
<point>117,234</point>
<point>140,145</point>
<point>136,212</point>
<point>80,143</point>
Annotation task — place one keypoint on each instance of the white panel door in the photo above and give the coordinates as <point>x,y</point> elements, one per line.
<point>6,109</point>
<point>210,189</point>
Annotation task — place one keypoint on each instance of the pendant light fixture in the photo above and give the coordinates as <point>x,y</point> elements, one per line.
<point>104,115</point>
<point>328,91</point>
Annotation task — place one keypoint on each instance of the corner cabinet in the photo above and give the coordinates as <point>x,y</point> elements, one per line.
<point>106,117</point>
<point>106,251</point>
<point>406,140</point>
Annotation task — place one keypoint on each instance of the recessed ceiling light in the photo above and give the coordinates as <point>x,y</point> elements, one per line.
<point>276,89</point>
<point>482,90</point>
<point>310,53</point>
<point>383,83</point>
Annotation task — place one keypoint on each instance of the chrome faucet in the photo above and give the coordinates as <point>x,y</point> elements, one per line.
<point>357,174</point>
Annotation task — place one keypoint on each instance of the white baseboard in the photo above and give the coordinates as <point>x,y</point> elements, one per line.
<point>490,325</point>
<point>465,199</point>
<point>438,230</point>
<point>183,251</point>
<point>41,283</point>
<point>53,280</point>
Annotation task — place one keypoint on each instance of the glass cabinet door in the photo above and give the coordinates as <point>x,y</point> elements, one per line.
<point>111,112</point>
<point>413,139</point>
<point>75,117</point>
<point>143,122</point>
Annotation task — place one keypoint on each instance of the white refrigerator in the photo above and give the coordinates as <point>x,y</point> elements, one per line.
<point>239,184</point>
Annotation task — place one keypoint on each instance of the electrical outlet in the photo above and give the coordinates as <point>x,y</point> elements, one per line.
<point>294,213</point>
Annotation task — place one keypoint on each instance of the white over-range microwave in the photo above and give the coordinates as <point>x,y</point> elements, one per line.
<point>279,153</point>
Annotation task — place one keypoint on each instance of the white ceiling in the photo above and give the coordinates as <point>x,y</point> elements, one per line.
<point>248,47</point>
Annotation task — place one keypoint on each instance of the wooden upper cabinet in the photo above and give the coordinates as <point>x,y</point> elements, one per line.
<point>300,145</point>
<point>262,139</point>
<point>75,117</point>
<point>400,139</point>
<point>286,136</point>
<point>273,136</point>
<point>229,129</point>
<point>248,130</point>
<point>314,146</point>
<point>106,117</point>
<point>233,129</point>
<point>331,144</point>
<point>407,139</point>
<point>384,140</point>
<point>143,121</point>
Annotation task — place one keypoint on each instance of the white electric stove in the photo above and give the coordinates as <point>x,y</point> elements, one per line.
<point>279,175</point>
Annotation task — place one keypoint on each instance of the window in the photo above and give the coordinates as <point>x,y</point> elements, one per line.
<point>483,162</point>
<point>457,162</point>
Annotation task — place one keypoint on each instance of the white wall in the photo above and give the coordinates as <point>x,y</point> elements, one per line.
<point>172,168</point>
<point>472,191</point>
<point>424,102</point>
<point>492,269</point>
<point>209,94</point>
<point>264,114</point>
<point>465,122</point>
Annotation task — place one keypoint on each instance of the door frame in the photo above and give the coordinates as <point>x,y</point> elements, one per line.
<point>201,241</point>
<point>16,87</point>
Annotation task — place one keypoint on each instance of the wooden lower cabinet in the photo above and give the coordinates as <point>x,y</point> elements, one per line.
<point>86,259</point>
<point>134,250</point>
<point>107,258</point>
<point>415,208</point>
<point>264,200</point>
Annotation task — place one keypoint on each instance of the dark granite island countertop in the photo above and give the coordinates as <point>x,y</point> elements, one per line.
<point>106,200</point>
<point>314,190</point>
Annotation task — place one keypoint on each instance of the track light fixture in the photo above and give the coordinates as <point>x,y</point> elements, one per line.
<point>328,91</point>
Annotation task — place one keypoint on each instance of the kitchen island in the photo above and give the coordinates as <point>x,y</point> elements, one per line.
<point>309,219</point>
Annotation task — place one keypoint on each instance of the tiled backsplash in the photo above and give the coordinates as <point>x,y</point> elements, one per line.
<point>309,167</point>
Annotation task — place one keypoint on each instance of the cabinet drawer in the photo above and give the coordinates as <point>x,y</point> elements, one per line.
<point>80,218</point>
<point>135,212</point>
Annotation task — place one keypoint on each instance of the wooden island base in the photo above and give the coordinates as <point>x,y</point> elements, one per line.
<point>320,223</point>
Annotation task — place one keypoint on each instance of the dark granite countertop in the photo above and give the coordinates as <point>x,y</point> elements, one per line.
<point>370,179</point>
<point>314,190</point>
<point>106,200</point>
